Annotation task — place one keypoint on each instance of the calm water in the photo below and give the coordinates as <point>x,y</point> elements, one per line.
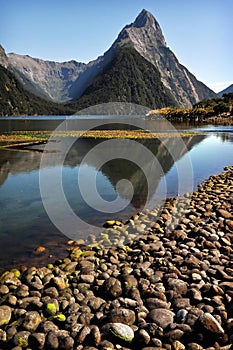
<point>169,166</point>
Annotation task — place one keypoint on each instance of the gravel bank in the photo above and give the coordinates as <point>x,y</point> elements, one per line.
<point>171,288</point>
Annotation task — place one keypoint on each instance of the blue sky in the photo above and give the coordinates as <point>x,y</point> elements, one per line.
<point>199,32</point>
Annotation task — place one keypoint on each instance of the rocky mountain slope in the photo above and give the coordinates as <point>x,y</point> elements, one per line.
<point>3,58</point>
<point>15,100</point>
<point>128,78</point>
<point>226,91</point>
<point>146,36</point>
<point>54,79</point>
<point>68,80</point>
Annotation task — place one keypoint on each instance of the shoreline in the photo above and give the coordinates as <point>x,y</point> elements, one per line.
<point>168,284</point>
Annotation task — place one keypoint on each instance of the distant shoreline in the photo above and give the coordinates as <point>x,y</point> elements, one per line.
<point>182,116</point>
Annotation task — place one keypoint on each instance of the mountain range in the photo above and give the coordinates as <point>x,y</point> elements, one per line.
<point>228,90</point>
<point>139,67</point>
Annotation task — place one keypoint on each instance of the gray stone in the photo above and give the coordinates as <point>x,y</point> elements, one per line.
<point>112,287</point>
<point>5,315</point>
<point>95,303</point>
<point>48,326</point>
<point>22,291</point>
<point>155,303</point>
<point>32,301</point>
<point>21,339</point>
<point>4,289</point>
<point>181,303</point>
<point>224,213</point>
<point>177,285</point>
<point>52,340</point>
<point>194,346</point>
<point>59,282</point>
<point>130,281</point>
<point>196,277</point>
<point>143,337</point>
<point>32,321</point>
<point>10,279</point>
<point>122,331</point>
<point>106,345</point>
<point>11,332</point>
<point>3,336</point>
<point>83,334</point>
<point>121,315</point>
<point>87,278</point>
<point>210,324</point>
<point>95,334</point>
<point>162,317</point>
<point>11,300</point>
<point>66,343</point>
<point>36,341</point>
<point>178,345</point>
<point>181,315</point>
<point>52,292</point>
<point>157,342</point>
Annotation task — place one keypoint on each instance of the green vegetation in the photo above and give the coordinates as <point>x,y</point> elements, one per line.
<point>15,100</point>
<point>22,342</point>
<point>24,139</point>
<point>127,78</point>
<point>60,317</point>
<point>204,111</point>
<point>51,308</point>
<point>217,105</point>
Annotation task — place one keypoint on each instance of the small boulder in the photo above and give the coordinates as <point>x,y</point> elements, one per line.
<point>208,322</point>
<point>121,315</point>
<point>37,341</point>
<point>162,317</point>
<point>122,332</point>
<point>32,321</point>
<point>179,286</point>
<point>224,214</point>
<point>112,287</point>
<point>21,339</point>
<point>5,315</point>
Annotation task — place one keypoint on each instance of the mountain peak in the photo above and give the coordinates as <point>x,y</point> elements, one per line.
<point>144,18</point>
<point>148,26</point>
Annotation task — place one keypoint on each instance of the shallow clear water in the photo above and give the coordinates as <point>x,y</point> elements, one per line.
<point>170,167</point>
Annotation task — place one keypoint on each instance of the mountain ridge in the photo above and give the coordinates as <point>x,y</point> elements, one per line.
<point>153,47</point>
<point>127,78</point>
<point>67,81</point>
<point>226,91</point>
<point>15,100</point>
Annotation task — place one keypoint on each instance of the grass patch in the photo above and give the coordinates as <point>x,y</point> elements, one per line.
<point>27,138</point>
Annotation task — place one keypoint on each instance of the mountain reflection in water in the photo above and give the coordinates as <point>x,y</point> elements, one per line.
<point>24,223</point>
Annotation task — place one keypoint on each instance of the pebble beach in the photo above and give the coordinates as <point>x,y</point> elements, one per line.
<point>168,287</point>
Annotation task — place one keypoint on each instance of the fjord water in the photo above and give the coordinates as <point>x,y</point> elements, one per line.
<point>24,223</point>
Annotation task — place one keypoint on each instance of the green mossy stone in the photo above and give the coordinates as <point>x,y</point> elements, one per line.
<point>60,318</point>
<point>122,332</point>
<point>51,309</point>
<point>16,273</point>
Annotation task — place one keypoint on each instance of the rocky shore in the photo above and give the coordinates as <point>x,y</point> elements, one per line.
<point>171,288</point>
